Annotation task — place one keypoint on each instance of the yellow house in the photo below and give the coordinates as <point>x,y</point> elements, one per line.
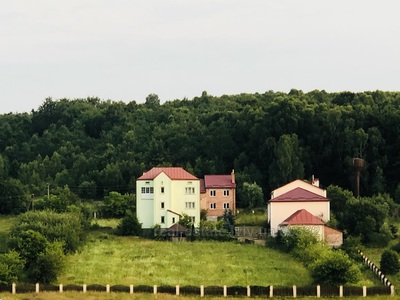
<point>295,196</point>
<point>164,194</point>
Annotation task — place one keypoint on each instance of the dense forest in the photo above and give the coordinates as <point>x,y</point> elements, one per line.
<point>94,146</point>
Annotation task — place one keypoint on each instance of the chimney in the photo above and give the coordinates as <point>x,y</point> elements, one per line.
<point>314,181</point>
<point>233,176</point>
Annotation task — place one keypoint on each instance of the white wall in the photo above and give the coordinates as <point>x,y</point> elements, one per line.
<point>280,211</point>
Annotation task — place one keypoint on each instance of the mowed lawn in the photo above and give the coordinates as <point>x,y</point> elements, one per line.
<point>128,260</point>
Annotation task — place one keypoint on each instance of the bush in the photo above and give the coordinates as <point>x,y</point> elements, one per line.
<point>129,225</point>
<point>48,265</point>
<point>334,268</point>
<point>390,262</point>
<point>11,266</point>
<point>65,227</point>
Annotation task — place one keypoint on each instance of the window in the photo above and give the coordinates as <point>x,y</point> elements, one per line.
<point>212,193</point>
<point>213,205</point>
<point>226,205</point>
<point>190,205</point>
<point>162,205</point>
<point>189,190</point>
<point>147,190</point>
<point>226,193</point>
<point>162,219</point>
<point>193,220</point>
<point>162,190</point>
<point>173,220</point>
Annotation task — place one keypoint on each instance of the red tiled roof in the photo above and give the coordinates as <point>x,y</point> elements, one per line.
<point>174,173</point>
<point>202,186</point>
<point>219,181</point>
<point>302,217</point>
<point>299,195</point>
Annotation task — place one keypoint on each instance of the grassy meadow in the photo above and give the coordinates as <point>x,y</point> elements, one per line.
<point>6,222</point>
<point>128,260</point>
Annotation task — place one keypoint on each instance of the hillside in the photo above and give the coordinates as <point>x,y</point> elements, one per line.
<point>126,260</point>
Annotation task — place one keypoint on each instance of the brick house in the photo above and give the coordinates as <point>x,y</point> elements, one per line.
<point>218,193</point>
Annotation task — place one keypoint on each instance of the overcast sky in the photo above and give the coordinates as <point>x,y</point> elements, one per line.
<point>125,50</point>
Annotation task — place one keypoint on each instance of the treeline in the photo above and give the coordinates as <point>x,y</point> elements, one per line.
<point>95,146</point>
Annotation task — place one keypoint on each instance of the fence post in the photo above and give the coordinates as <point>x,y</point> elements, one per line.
<point>177,290</point>
<point>155,289</point>
<point>392,290</point>
<point>341,291</point>
<point>60,288</point>
<point>271,291</point>
<point>201,290</point>
<point>84,287</point>
<point>248,291</point>
<point>225,291</point>
<point>14,288</point>
<point>294,291</point>
<point>37,288</point>
<point>107,288</point>
<point>364,291</point>
<point>131,289</point>
<point>318,291</point>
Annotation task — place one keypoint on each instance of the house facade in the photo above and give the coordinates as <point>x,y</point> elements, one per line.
<point>295,196</point>
<point>164,194</point>
<point>217,194</point>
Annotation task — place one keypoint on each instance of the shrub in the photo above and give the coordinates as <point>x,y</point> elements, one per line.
<point>390,262</point>
<point>334,268</point>
<point>11,266</point>
<point>129,225</point>
<point>29,244</point>
<point>48,265</point>
<point>64,227</point>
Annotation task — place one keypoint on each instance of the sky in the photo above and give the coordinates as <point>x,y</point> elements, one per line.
<point>124,50</point>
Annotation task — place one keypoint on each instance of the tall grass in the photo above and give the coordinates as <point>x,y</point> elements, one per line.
<point>127,260</point>
<point>256,217</point>
<point>6,222</point>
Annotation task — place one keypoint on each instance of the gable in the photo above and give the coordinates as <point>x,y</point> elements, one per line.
<point>302,217</point>
<point>174,173</point>
<point>299,195</point>
<point>298,184</point>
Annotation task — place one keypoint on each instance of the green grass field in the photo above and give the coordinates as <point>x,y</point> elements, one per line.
<point>127,260</point>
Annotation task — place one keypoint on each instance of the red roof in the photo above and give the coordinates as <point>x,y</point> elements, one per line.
<point>174,173</point>
<point>218,181</point>
<point>302,217</point>
<point>299,195</point>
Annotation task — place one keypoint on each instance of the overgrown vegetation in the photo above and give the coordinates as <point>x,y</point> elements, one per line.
<point>327,266</point>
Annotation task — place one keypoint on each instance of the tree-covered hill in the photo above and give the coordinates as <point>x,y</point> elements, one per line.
<point>96,146</point>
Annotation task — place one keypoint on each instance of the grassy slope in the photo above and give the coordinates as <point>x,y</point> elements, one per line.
<point>6,223</point>
<point>126,260</point>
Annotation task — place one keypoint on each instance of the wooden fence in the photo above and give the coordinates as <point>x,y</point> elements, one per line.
<point>238,291</point>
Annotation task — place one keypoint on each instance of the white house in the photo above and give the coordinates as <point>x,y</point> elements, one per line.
<point>293,197</point>
<point>164,194</point>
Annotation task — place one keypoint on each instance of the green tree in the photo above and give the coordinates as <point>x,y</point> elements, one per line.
<point>287,165</point>
<point>186,221</point>
<point>48,264</point>
<point>251,195</point>
<point>29,244</point>
<point>389,262</point>
<point>129,225</point>
<point>334,268</point>
<point>63,227</point>
<point>11,267</point>
<point>116,205</point>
